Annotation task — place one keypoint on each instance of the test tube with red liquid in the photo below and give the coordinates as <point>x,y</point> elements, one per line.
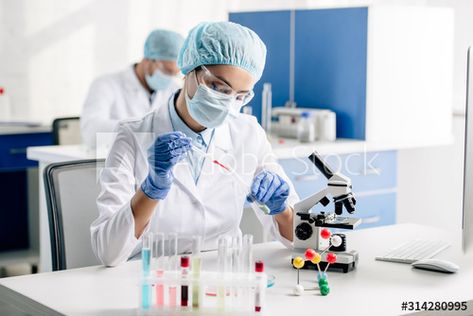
<point>184,286</point>
<point>259,290</point>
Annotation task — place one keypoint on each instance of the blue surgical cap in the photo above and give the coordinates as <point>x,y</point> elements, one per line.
<point>223,43</point>
<point>163,45</point>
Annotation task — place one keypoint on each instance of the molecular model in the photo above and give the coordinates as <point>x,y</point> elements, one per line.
<point>315,257</point>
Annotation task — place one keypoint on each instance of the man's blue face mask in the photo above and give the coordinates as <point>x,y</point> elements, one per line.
<point>159,81</point>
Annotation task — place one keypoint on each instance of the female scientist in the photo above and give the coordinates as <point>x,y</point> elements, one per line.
<point>156,177</point>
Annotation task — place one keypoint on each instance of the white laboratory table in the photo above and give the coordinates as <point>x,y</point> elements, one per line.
<point>283,148</point>
<point>9,129</point>
<point>373,288</point>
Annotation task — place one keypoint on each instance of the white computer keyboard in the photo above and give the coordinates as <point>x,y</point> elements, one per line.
<point>414,250</point>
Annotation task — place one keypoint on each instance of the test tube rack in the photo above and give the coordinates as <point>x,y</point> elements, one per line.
<point>232,292</point>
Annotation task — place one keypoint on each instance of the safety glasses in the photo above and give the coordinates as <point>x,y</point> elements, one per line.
<point>216,84</point>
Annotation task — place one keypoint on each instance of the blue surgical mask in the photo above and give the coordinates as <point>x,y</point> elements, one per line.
<point>208,107</point>
<point>159,81</point>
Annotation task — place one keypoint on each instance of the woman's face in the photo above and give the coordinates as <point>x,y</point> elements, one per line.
<point>235,77</point>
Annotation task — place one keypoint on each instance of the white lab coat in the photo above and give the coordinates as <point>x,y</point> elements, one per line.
<point>116,97</point>
<point>211,208</point>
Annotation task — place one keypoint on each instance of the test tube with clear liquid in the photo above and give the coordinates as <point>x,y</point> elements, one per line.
<point>222,269</point>
<point>146,288</point>
<point>172,253</point>
<point>237,291</point>
<point>247,267</point>
<point>196,265</point>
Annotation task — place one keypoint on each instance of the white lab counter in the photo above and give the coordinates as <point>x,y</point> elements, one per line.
<point>283,148</point>
<point>17,128</point>
<point>50,154</point>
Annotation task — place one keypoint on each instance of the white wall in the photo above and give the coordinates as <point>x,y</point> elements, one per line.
<point>430,179</point>
<point>430,183</point>
<point>50,50</point>
<point>463,38</point>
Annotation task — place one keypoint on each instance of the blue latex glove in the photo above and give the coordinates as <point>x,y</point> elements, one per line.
<point>166,151</point>
<point>270,189</point>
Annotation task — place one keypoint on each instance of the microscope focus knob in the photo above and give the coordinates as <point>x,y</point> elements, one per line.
<point>303,231</point>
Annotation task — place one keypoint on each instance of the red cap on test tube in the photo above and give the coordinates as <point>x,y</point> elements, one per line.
<point>185,262</point>
<point>259,266</point>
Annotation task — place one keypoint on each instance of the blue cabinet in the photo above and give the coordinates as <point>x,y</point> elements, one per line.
<point>330,65</point>
<point>376,210</point>
<point>273,28</point>
<point>368,171</point>
<point>330,61</point>
<point>304,176</point>
<point>374,179</point>
<point>14,231</point>
<point>13,149</point>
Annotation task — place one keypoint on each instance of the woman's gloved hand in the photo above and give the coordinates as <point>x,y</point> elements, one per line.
<point>166,151</point>
<point>270,189</point>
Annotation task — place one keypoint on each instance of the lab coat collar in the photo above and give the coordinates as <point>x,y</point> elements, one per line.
<point>131,80</point>
<point>162,121</point>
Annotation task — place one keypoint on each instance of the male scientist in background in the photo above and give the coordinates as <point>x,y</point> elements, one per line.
<point>137,90</point>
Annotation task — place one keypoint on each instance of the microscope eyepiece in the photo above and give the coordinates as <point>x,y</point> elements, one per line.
<point>349,205</point>
<point>338,207</point>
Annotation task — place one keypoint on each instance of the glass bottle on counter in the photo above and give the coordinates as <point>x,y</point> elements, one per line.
<point>306,128</point>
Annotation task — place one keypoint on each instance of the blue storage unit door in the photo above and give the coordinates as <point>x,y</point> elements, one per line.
<point>376,210</point>
<point>330,65</point>
<point>14,211</point>
<point>330,61</point>
<point>13,149</point>
<point>14,226</point>
<point>274,29</point>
